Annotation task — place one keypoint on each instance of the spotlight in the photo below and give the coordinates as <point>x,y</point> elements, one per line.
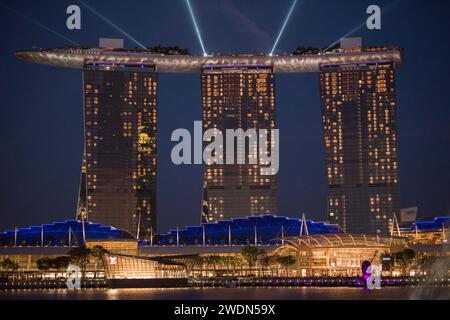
<point>123,32</point>
<point>283,26</point>
<point>362,24</point>
<point>39,24</point>
<point>197,30</point>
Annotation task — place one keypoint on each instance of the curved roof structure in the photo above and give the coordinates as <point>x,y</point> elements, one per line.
<point>344,241</point>
<point>340,240</point>
<point>57,234</point>
<point>434,225</point>
<point>267,229</point>
<point>79,57</point>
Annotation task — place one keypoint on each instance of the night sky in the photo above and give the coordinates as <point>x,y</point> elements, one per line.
<point>41,133</point>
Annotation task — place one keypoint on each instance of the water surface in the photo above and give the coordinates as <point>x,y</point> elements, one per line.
<point>249,293</point>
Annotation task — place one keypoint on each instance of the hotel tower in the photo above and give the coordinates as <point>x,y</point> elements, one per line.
<point>360,135</point>
<point>232,98</point>
<point>118,182</point>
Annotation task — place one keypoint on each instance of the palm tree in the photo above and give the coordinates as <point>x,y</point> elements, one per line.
<point>98,252</point>
<point>43,264</point>
<point>199,261</point>
<point>9,265</point>
<point>286,262</point>
<point>61,262</point>
<point>230,262</point>
<point>226,261</point>
<point>405,258</point>
<point>235,261</point>
<point>80,256</point>
<point>274,262</point>
<point>251,254</point>
<point>426,262</point>
<point>206,260</point>
<point>264,261</point>
<point>214,261</point>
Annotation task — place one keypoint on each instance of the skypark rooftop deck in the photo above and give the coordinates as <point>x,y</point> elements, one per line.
<point>77,57</point>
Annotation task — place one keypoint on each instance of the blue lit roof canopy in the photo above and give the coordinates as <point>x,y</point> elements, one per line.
<point>436,224</point>
<point>263,229</point>
<point>61,234</point>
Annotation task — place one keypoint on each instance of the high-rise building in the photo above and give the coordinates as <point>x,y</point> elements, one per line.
<point>238,97</point>
<point>118,183</point>
<point>360,135</point>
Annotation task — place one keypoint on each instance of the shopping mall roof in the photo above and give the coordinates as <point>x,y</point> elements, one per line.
<point>61,234</point>
<point>262,229</point>
<point>436,224</point>
<point>344,240</point>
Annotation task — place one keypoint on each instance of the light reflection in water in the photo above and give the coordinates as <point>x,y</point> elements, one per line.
<point>250,293</point>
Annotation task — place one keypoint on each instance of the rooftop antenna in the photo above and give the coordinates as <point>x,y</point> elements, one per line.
<point>203,234</point>
<point>70,235</point>
<point>42,235</point>
<point>15,236</point>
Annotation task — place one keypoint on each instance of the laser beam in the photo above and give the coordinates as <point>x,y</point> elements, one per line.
<point>197,30</point>
<point>362,24</point>
<point>123,32</point>
<point>283,26</point>
<point>43,26</point>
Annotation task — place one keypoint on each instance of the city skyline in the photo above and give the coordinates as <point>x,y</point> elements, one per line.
<point>285,210</point>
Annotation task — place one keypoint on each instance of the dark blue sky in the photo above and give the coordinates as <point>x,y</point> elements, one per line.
<point>41,107</point>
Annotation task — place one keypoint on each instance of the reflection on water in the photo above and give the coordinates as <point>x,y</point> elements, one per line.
<point>279,293</point>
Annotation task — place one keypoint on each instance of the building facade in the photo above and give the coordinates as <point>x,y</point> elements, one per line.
<point>216,249</point>
<point>118,183</point>
<point>232,98</point>
<point>360,136</point>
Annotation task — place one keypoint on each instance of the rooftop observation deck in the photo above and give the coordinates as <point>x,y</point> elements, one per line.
<point>78,57</point>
